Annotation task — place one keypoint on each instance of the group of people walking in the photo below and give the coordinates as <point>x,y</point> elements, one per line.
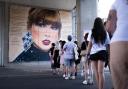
<point>92,55</point>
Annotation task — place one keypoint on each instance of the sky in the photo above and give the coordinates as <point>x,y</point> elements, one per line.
<point>103,7</point>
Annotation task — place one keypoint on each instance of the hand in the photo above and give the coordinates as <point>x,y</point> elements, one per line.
<point>88,55</point>
<point>52,61</point>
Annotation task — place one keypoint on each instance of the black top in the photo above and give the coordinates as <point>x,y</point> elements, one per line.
<point>52,50</point>
<point>84,45</point>
<point>33,54</point>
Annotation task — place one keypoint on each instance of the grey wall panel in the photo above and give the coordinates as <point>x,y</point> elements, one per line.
<point>3,34</point>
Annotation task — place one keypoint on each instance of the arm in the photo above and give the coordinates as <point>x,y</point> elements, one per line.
<point>89,47</point>
<point>64,47</point>
<point>111,21</point>
<point>51,56</point>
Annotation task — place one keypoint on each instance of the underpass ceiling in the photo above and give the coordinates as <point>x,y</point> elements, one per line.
<point>53,4</point>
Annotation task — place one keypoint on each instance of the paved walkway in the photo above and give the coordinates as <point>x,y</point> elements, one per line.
<point>39,76</point>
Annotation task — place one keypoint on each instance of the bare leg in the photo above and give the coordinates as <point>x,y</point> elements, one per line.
<point>119,64</point>
<point>73,69</point>
<point>85,70</point>
<point>101,74</point>
<point>95,68</point>
<point>90,72</point>
<point>64,69</point>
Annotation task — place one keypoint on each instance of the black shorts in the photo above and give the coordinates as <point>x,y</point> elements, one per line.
<point>100,55</point>
<point>77,61</point>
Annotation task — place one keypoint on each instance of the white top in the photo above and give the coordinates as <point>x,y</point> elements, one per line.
<point>121,33</point>
<point>69,52</point>
<point>97,47</point>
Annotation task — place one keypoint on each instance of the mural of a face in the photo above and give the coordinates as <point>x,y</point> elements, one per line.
<point>44,36</point>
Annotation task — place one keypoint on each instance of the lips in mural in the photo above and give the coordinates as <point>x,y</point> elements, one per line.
<point>46,42</point>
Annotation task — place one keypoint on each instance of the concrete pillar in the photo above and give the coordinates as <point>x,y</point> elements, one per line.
<point>3,34</point>
<point>86,13</point>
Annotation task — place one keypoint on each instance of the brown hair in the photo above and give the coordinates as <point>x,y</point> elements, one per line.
<point>43,17</point>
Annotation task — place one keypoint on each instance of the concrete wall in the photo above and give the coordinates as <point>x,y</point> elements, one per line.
<point>17,28</point>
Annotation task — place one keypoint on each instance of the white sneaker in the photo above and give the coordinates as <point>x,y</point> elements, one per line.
<point>90,82</point>
<point>66,77</point>
<point>73,77</point>
<point>85,82</point>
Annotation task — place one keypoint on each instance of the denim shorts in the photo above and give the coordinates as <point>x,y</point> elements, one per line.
<point>69,62</point>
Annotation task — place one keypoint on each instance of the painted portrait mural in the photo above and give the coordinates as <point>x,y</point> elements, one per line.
<point>32,32</point>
